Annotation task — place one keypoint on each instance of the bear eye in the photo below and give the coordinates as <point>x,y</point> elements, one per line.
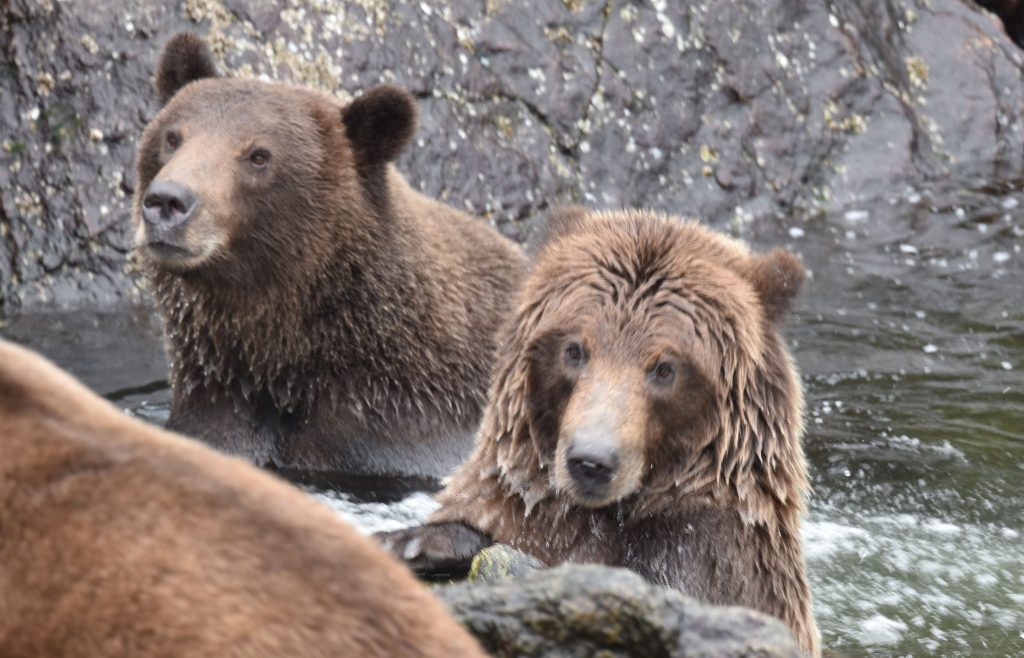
<point>173,139</point>
<point>574,355</point>
<point>259,158</point>
<point>664,373</point>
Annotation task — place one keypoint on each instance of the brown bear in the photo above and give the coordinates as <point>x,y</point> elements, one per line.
<point>320,315</point>
<point>645,413</point>
<point>121,539</point>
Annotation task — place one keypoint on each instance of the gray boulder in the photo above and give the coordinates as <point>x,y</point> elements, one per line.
<point>586,611</point>
<point>729,110</point>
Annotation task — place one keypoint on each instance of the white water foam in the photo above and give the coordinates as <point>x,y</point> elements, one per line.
<point>877,576</point>
<point>377,517</point>
<point>879,629</point>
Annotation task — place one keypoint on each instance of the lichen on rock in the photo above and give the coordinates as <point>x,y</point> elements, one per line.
<point>523,105</point>
<point>499,561</point>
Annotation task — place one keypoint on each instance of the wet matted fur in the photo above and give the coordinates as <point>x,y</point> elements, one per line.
<point>320,314</point>
<point>118,539</point>
<point>645,412</point>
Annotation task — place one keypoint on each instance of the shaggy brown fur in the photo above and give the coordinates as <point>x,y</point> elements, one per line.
<point>319,313</point>
<point>120,539</point>
<point>645,412</point>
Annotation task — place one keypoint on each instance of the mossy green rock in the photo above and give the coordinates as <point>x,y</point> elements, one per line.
<point>586,611</point>
<point>501,561</point>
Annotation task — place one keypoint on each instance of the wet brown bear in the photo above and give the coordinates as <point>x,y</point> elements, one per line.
<point>120,539</point>
<point>645,412</point>
<point>320,315</point>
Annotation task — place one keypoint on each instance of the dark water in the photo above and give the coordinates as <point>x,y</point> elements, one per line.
<point>910,337</point>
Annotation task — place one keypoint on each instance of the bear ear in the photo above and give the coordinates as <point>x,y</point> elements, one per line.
<point>777,277</point>
<point>560,222</point>
<point>380,123</point>
<point>185,58</point>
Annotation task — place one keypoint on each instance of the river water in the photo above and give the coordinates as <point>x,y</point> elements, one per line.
<point>910,338</point>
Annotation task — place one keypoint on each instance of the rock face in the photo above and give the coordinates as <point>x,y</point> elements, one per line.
<point>729,110</point>
<point>582,611</point>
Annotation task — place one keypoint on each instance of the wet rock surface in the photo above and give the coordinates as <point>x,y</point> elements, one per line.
<point>578,611</point>
<point>730,111</point>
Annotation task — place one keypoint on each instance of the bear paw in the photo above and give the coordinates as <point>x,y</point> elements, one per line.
<point>436,551</point>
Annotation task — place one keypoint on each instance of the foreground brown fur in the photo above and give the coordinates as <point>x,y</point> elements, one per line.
<point>646,413</point>
<point>119,539</point>
<point>320,314</point>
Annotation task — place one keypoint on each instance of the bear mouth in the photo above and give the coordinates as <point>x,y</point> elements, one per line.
<point>592,482</point>
<point>168,253</point>
<point>590,498</point>
<point>592,490</point>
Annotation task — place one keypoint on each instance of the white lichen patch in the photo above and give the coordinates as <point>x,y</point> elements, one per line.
<point>319,71</point>
<point>378,13</point>
<point>832,116</point>
<point>44,83</point>
<point>219,17</point>
<point>917,71</point>
<point>560,35</point>
<point>667,28</point>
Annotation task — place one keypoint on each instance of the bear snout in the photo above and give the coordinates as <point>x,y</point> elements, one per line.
<point>592,463</point>
<point>166,207</point>
<point>601,440</point>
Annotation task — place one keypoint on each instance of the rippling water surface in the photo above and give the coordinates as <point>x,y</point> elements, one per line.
<point>911,341</point>
<point>910,338</point>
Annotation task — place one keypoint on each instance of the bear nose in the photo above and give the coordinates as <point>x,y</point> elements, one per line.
<point>592,464</point>
<point>168,204</point>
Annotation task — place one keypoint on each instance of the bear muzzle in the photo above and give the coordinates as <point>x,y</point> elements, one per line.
<point>167,209</point>
<point>601,445</point>
<point>592,463</point>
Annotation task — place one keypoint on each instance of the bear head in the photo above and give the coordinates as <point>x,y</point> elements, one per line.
<point>235,175</point>
<point>645,356</point>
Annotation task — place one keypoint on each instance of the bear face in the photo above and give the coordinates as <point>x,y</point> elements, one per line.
<point>625,365</point>
<point>607,396</point>
<point>209,181</point>
<point>234,173</point>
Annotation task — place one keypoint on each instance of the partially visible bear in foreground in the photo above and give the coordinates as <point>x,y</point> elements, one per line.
<point>320,315</point>
<point>645,412</point>
<point>120,539</point>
